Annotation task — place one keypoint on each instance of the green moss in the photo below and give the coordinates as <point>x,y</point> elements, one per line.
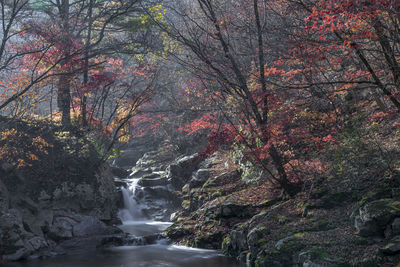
<point>217,193</point>
<point>227,244</point>
<point>186,204</point>
<point>361,241</point>
<point>298,235</point>
<point>320,226</point>
<point>261,241</point>
<point>338,199</point>
<point>318,253</point>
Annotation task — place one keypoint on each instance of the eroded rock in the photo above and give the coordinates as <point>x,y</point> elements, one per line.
<point>375,216</point>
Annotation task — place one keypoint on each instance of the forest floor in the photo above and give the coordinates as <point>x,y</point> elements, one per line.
<point>319,221</point>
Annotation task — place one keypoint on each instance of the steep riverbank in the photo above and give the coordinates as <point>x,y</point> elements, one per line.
<point>328,224</point>
<point>55,194</point>
<point>76,220</point>
<point>211,206</point>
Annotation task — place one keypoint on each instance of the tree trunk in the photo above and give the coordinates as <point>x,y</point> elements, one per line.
<point>64,82</point>
<point>290,188</point>
<point>64,100</point>
<point>86,66</point>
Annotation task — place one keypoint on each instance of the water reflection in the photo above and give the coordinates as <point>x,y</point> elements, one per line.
<point>137,256</point>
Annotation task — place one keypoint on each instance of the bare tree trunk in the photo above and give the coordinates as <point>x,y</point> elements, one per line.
<point>64,82</point>
<point>64,100</point>
<point>86,65</point>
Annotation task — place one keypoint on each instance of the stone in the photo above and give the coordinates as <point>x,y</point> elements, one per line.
<point>119,172</point>
<point>396,175</point>
<point>137,173</point>
<point>4,197</point>
<point>174,217</point>
<point>256,237</point>
<point>39,223</point>
<point>374,217</point>
<point>239,240</point>
<point>149,182</point>
<point>15,240</point>
<point>230,209</point>
<point>309,263</point>
<point>61,228</point>
<point>7,167</point>
<point>200,177</point>
<point>12,218</point>
<point>393,246</point>
<point>89,226</point>
<point>128,158</point>
<point>44,196</point>
<point>17,255</point>
<point>180,172</point>
<point>396,226</point>
<point>283,241</point>
<point>37,243</point>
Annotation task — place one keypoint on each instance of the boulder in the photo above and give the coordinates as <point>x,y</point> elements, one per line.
<point>15,242</point>
<point>200,177</point>
<point>396,226</point>
<point>137,173</point>
<point>309,263</point>
<point>39,223</point>
<point>7,167</point>
<point>98,198</point>
<point>227,209</point>
<point>4,197</point>
<point>149,182</point>
<point>128,158</point>
<point>283,241</point>
<point>180,172</point>
<point>119,172</point>
<point>230,209</point>
<point>374,217</point>
<point>238,241</point>
<point>392,247</point>
<point>61,228</point>
<point>89,226</point>
<point>256,237</point>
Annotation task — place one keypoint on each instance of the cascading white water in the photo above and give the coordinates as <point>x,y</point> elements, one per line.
<point>131,211</point>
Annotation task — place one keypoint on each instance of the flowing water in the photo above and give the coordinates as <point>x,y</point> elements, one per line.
<point>159,254</point>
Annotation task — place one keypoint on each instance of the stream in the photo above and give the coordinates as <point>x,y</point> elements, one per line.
<point>159,254</point>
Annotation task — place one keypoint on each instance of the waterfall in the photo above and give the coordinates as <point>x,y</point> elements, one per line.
<point>131,211</point>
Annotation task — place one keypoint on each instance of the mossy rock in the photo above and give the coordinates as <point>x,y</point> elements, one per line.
<point>337,199</point>
<point>279,257</point>
<point>209,240</point>
<point>320,225</point>
<point>375,216</point>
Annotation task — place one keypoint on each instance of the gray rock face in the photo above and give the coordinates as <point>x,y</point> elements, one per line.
<point>7,167</point>
<point>71,210</point>
<point>200,177</point>
<point>128,158</point>
<point>89,226</point>
<point>375,216</point>
<point>239,240</point>
<point>61,228</point>
<point>149,182</point>
<point>309,263</point>
<point>283,241</point>
<point>15,242</point>
<point>231,209</point>
<point>98,199</point>
<point>393,246</point>
<point>396,226</point>
<point>138,173</point>
<point>180,172</point>
<point>4,197</point>
<point>119,172</point>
